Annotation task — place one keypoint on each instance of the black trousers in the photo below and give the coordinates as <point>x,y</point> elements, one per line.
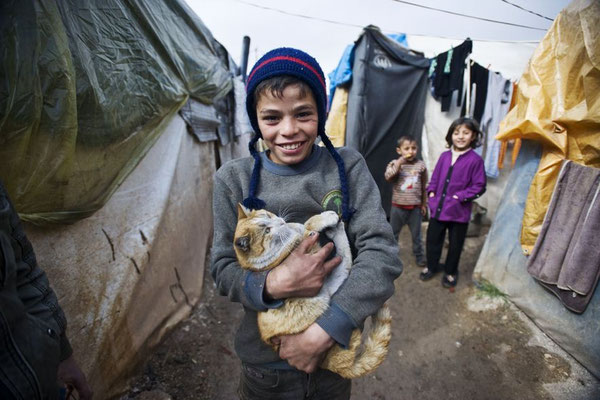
<point>436,233</point>
<point>260,383</point>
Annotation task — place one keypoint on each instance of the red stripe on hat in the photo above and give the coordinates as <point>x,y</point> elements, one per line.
<point>293,59</point>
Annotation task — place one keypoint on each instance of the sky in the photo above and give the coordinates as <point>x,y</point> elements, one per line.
<point>323,28</point>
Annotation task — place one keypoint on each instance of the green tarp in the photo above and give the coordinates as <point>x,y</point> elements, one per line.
<point>86,87</point>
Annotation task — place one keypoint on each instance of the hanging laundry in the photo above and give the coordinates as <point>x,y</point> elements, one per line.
<point>449,73</point>
<point>479,83</point>
<point>499,95</point>
<point>566,255</point>
<point>335,126</point>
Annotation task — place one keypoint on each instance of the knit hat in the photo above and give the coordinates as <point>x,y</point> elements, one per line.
<point>296,63</point>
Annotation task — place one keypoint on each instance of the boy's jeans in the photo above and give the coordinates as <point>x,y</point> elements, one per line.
<point>260,383</point>
<point>400,217</point>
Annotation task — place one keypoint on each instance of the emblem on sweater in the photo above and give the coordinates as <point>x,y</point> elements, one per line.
<point>410,181</point>
<point>333,201</point>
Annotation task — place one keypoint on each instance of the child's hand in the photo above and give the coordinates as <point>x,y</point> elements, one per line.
<point>455,196</point>
<point>431,194</point>
<point>305,350</point>
<point>301,274</point>
<point>401,160</point>
<point>424,210</point>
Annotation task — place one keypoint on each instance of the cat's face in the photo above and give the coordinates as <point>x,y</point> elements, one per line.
<point>262,240</point>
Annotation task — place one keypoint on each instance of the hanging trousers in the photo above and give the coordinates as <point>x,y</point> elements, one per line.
<point>436,233</point>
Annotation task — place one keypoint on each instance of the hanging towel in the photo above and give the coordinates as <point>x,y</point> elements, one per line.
<point>566,256</point>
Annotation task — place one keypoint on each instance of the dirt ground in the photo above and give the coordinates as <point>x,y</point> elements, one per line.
<point>467,344</point>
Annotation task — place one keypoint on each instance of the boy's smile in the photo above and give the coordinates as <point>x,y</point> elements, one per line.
<point>289,125</point>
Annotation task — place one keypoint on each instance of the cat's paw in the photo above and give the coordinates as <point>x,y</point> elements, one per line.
<point>320,222</point>
<point>329,219</point>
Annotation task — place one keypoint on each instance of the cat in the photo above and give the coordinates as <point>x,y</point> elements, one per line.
<point>263,240</point>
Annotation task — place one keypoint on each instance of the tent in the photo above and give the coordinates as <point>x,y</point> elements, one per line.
<point>113,119</point>
<point>557,115</point>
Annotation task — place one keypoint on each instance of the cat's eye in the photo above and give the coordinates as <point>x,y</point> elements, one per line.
<point>267,230</point>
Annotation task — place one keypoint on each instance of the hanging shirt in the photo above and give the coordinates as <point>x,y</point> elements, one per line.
<point>444,83</point>
<point>499,94</point>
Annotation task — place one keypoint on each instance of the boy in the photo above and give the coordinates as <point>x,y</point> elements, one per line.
<point>409,196</point>
<point>286,102</point>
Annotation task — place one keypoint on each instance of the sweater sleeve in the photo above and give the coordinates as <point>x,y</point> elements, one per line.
<point>375,266</point>
<point>239,285</point>
<point>431,187</point>
<point>477,183</point>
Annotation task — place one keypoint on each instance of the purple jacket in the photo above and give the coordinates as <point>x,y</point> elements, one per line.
<point>465,179</point>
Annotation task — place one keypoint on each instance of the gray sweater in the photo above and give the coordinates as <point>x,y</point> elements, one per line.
<point>299,192</point>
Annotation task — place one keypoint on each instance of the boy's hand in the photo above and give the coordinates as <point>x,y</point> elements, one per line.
<point>301,274</point>
<point>424,210</point>
<point>71,375</point>
<point>305,350</point>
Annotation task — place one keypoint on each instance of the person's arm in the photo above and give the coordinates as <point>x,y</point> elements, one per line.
<point>239,285</point>
<point>477,183</point>
<point>435,177</point>
<point>392,170</point>
<point>33,289</point>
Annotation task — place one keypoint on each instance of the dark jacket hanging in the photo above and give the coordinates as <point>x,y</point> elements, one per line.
<point>448,78</point>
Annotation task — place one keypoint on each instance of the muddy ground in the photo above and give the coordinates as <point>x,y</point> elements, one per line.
<point>468,344</point>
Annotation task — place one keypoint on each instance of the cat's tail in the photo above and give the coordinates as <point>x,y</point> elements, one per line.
<point>374,349</point>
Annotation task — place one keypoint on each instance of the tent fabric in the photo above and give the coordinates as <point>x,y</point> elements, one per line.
<point>343,72</point>
<point>502,263</point>
<point>558,105</point>
<point>86,88</point>
<point>335,126</point>
<point>386,100</point>
<point>566,254</point>
<point>131,271</point>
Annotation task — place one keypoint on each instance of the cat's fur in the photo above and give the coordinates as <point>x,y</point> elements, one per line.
<point>262,241</point>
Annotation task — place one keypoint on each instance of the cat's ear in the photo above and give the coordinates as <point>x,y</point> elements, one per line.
<point>242,212</point>
<point>243,243</point>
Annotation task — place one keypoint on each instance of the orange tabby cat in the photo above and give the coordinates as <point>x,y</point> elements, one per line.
<point>262,241</point>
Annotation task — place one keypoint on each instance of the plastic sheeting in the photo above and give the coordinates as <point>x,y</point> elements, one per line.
<point>558,105</point>
<point>86,88</point>
<point>135,268</point>
<point>502,263</point>
<point>386,101</point>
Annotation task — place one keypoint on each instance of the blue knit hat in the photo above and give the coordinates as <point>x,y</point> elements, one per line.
<point>296,63</point>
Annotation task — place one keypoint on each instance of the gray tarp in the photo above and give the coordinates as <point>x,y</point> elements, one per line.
<point>386,101</point>
<point>502,263</point>
<point>86,88</point>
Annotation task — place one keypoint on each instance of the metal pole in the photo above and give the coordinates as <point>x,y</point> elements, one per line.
<point>244,58</point>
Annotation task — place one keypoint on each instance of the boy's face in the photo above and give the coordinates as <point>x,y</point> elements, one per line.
<point>408,150</point>
<point>289,125</point>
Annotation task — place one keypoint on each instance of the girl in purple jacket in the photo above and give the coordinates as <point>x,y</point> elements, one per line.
<point>457,180</point>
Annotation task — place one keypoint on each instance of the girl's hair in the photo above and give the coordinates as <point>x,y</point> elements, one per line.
<point>405,139</point>
<point>472,125</point>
